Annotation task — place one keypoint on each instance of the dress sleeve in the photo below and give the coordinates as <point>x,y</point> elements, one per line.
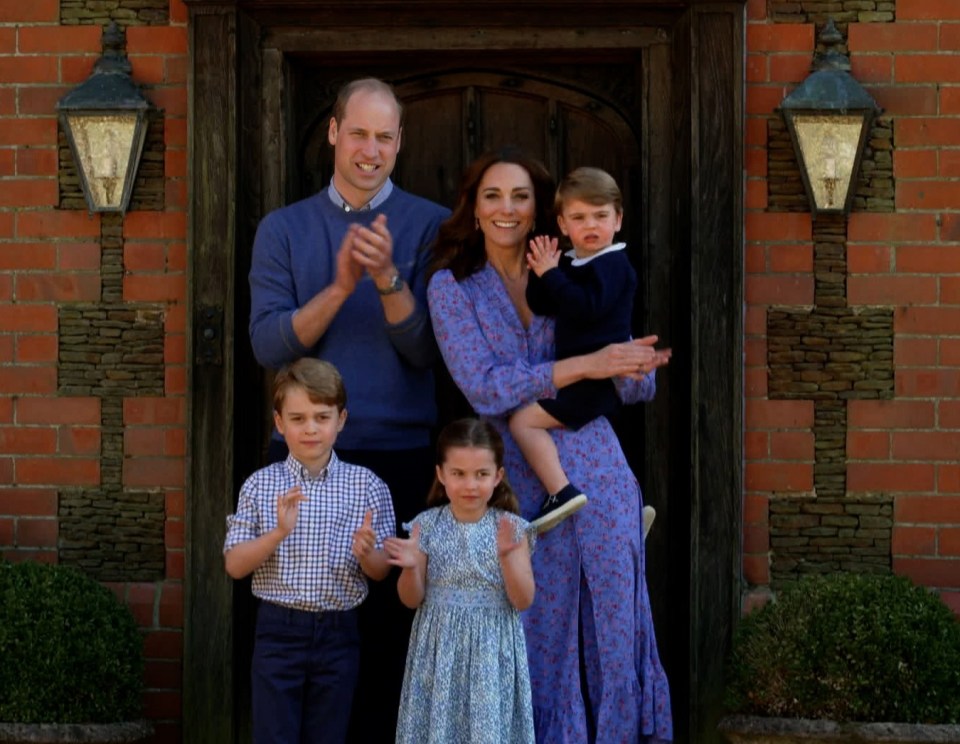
<point>636,391</point>
<point>485,356</point>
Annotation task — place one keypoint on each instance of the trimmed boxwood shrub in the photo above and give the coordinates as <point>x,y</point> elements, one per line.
<point>71,652</point>
<point>848,647</point>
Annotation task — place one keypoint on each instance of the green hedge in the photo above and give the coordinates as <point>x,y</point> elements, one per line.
<point>849,647</point>
<point>71,652</point>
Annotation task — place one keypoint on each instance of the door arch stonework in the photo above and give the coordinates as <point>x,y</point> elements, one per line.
<point>658,84</point>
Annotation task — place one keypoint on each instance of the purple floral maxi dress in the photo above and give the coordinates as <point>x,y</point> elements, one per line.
<point>590,569</point>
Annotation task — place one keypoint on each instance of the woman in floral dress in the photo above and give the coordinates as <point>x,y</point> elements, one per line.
<point>591,596</point>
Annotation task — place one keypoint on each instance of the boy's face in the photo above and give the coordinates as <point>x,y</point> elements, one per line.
<point>590,227</point>
<point>309,429</point>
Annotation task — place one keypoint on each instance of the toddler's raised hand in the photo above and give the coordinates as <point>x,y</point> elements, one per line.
<point>364,539</point>
<point>543,254</point>
<point>288,509</point>
<point>403,552</point>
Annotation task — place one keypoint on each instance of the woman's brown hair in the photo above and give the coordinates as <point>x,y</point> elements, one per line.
<point>471,432</point>
<point>459,244</point>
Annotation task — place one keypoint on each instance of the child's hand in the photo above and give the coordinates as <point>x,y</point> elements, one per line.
<point>543,255</point>
<point>288,509</point>
<point>364,539</point>
<point>404,552</point>
<point>506,537</point>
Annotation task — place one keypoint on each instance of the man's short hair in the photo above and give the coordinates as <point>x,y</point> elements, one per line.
<point>368,85</point>
<point>320,379</point>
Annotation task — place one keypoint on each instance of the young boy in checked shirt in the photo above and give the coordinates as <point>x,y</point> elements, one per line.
<point>311,530</point>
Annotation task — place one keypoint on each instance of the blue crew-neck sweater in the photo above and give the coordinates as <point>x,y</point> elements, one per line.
<point>386,368</point>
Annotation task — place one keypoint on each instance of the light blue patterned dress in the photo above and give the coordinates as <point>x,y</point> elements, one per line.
<point>467,678</point>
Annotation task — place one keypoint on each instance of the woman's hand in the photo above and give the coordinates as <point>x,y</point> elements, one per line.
<point>634,358</point>
<point>631,359</point>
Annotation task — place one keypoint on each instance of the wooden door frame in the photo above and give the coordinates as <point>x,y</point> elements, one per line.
<point>702,109</point>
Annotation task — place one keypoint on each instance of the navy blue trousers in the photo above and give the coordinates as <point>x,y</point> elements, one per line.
<point>303,675</point>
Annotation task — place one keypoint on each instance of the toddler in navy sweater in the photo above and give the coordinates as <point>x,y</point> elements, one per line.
<point>590,290</point>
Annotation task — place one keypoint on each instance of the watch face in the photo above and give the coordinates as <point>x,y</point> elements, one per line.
<point>395,285</point>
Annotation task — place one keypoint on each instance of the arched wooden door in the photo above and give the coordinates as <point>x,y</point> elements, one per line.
<point>451,117</point>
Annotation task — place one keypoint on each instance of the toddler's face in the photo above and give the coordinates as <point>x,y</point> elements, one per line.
<point>590,227</point>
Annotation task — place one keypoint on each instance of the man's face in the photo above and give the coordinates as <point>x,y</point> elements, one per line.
<point>366,143</point>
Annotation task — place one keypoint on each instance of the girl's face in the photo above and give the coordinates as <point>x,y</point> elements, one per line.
<point>505,208</point>
<point>469,476</point>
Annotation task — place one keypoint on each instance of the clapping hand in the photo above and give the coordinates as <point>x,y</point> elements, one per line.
<point>506,537</point>
<point>373,248</point>
<point>348,270</point>
<point>288,509</point>
<point>404,552</point>
<point>364,539</point>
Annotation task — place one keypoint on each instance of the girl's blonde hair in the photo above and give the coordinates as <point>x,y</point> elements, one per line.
<point>471,432</point>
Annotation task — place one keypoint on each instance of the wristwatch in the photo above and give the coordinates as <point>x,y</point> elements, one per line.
<point>395,285</point>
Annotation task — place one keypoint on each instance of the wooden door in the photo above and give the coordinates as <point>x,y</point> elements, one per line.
<point>650,90</point>
<point>452,115</point>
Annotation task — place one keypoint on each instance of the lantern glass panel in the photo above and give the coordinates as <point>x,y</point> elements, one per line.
<point>104,144</point>
<point>828,144</point>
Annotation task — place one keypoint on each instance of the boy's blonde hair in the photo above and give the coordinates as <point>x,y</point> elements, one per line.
<point>591,185</point>
<point>320,379</point>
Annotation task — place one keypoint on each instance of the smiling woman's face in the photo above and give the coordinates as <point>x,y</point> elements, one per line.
<point>505,206</point>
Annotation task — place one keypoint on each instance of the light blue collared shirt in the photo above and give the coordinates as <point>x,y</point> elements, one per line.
<point>379,198</point>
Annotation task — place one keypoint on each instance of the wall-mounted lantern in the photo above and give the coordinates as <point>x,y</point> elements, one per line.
<point>105,122</point>
<point>829,118</point>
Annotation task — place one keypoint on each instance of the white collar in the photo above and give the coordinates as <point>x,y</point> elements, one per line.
<point>572,254</point>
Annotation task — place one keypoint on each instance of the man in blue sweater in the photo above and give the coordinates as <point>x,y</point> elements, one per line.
<point>341,276</point>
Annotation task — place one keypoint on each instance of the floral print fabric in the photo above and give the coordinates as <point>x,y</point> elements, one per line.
<point>590,569</point>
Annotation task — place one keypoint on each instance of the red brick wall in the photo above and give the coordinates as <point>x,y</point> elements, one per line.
<point>907,447</point>
<point>49,256</point>
<point>910,259</point>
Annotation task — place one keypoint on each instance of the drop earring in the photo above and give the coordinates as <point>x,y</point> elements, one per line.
<point>476,223</point>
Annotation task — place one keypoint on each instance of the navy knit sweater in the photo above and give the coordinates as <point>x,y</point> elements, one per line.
<point>592,300</point>
<point>386,368</point>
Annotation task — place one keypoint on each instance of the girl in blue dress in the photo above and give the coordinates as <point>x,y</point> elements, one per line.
<point>466,569</point>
